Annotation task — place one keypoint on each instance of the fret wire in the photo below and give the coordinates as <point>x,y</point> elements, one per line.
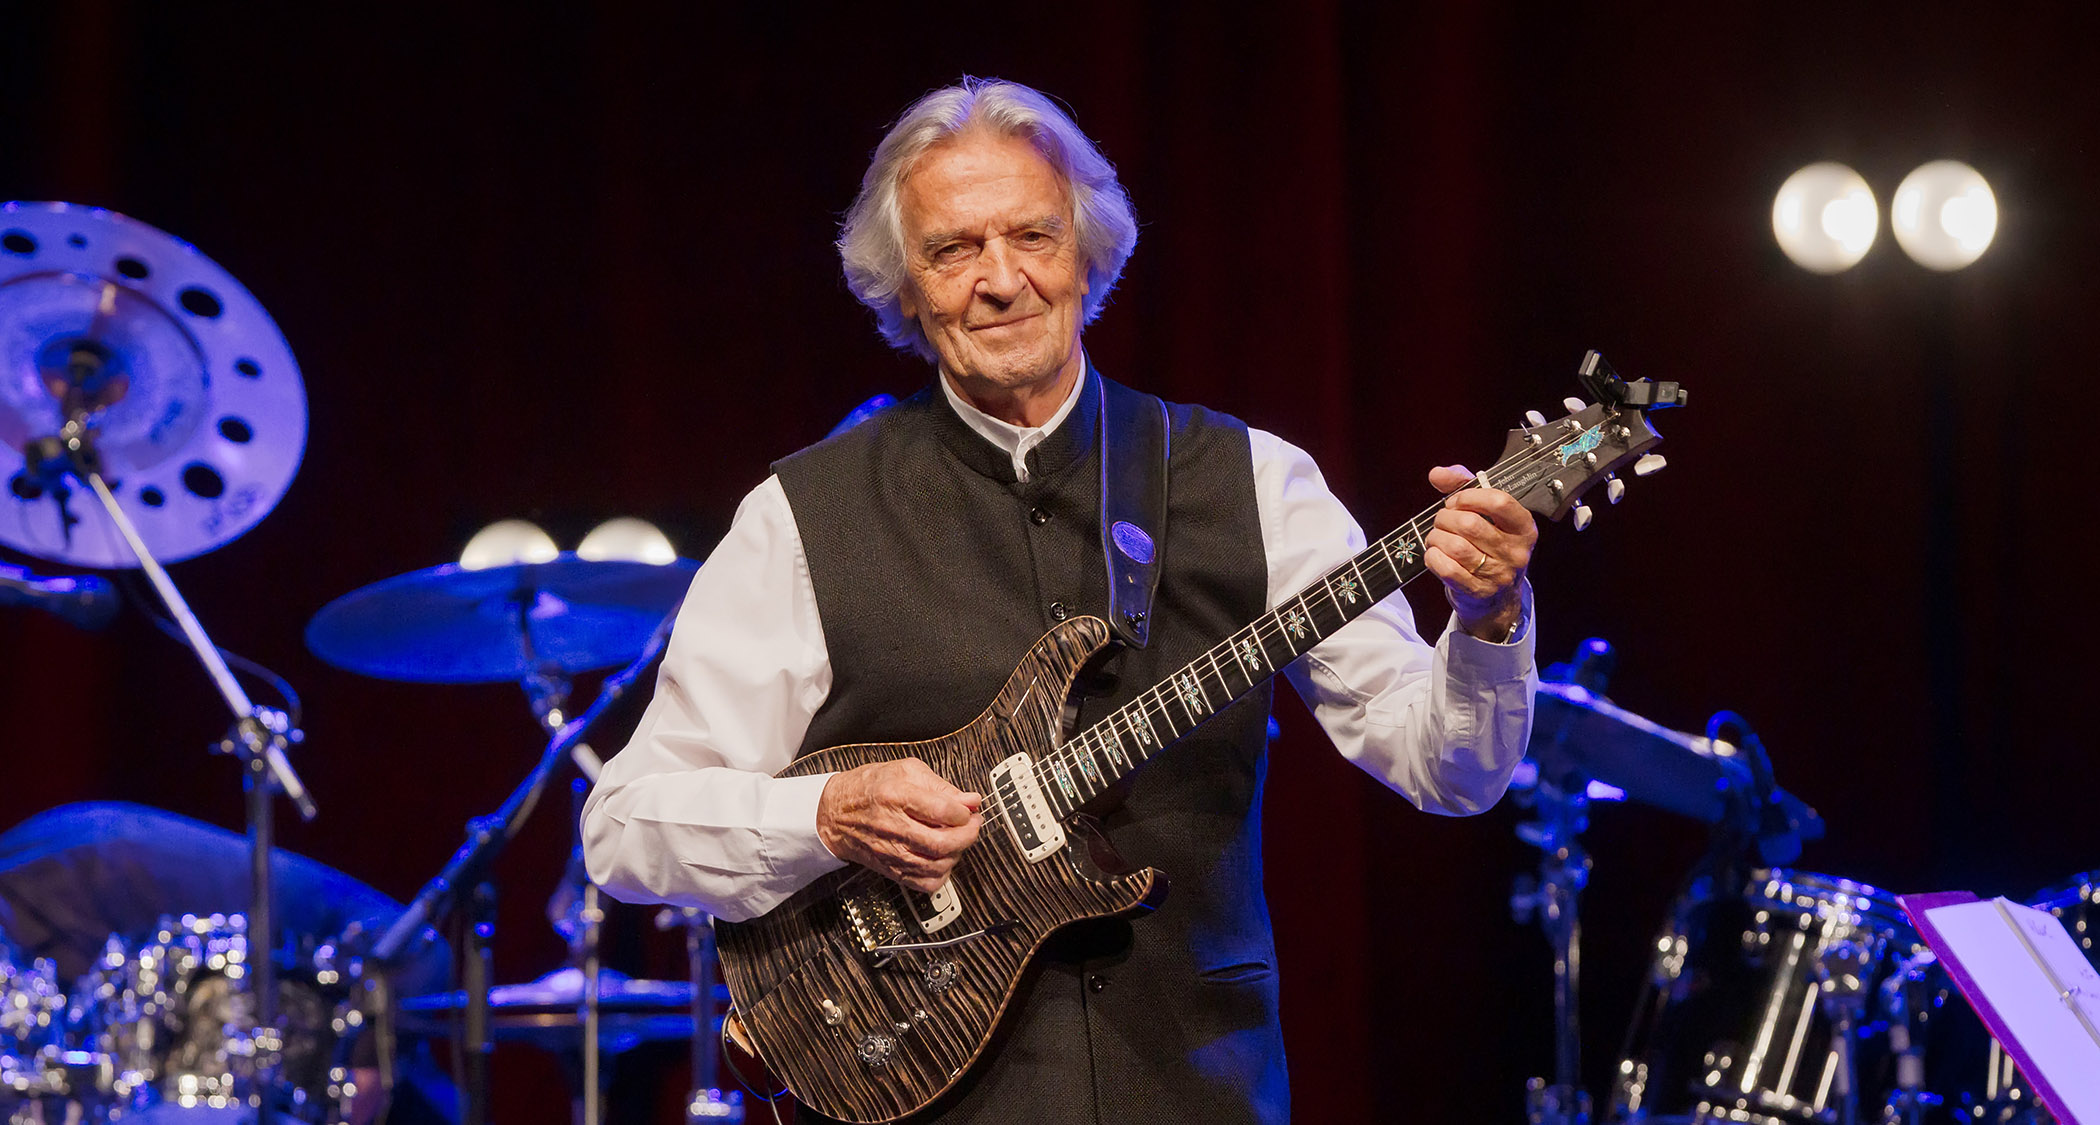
<point>1210,706</point>
<point>1270,627</point>
<point>1391,560</point>
<point>1355,584</point>
<point>1185,685</point>
<point>1131,717</point>
<point>1312,618</point>
<point>1105,768</point>
<point>1122,749</point>
<point>1086,762</point>
<point>1263,663</point>
<point>1291,621</point>
<point>1164,732</point>
<point>1327,584</point>
<point>1224,685</point>
<point>1046,782</point>
<point>1175,685</point>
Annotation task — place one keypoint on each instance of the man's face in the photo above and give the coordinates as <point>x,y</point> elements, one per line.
<point>994,274</point>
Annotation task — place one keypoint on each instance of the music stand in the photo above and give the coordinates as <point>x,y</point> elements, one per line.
<point>2031,986</point>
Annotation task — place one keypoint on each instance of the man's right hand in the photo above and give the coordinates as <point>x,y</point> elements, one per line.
<point>899,819</point>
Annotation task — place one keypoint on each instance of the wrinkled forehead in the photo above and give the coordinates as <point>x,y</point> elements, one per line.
<point>980,177</point>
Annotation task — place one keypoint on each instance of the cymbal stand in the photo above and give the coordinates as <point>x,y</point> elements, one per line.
<point>706,1102</point>
<point>1562,813</point>
<point>258,737</point>
<point>486,837</point>
<point>575,907</point>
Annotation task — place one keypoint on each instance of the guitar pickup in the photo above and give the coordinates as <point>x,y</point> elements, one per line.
<point>937,909</point>
<point>1025,810</point>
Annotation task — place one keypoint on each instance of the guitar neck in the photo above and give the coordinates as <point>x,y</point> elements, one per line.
<point>1125,739</point>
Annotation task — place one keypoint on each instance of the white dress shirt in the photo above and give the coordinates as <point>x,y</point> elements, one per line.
<point>689,813</point>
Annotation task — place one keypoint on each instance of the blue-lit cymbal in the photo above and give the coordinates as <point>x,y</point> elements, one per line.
<point>191,394</point>
<point>545,1012</point>
<point>451,625</point>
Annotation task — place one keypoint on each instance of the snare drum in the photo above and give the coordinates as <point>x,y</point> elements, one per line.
<point>1736,1020</point>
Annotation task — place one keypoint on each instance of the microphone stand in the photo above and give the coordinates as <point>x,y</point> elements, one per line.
<point>258,738</point>
<point>468,868</point>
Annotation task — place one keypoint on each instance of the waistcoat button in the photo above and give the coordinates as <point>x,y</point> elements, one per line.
<point>1038,517</point>
<point>1057,611</point>
<point>1096,982</point>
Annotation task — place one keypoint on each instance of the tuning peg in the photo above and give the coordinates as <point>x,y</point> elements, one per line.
<point>1534,418</point>
<point>1573,404</point>
<point>1614,489</point>
<point>1582,516</point>
<point>1649,465</point>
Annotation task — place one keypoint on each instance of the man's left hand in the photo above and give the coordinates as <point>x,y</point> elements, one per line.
<point>1479,547</point>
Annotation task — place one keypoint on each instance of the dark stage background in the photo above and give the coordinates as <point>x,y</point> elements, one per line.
<point>575,263</point>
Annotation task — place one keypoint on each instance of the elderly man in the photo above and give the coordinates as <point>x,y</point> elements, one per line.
<point>881,585</point>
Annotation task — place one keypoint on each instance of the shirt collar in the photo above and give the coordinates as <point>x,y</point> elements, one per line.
<point>1015,441</point>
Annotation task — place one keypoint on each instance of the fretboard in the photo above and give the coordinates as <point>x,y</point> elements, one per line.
<point>1129,736</point>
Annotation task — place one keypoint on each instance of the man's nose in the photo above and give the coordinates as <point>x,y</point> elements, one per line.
<point>1001,280</point>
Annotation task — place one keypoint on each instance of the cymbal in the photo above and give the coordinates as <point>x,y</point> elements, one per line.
<point>195,403</point>
<point>547,1012</point>
<point>452,625</point>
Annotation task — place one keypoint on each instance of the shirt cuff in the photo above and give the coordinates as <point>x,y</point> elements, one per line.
<point>1485,662</point>
<point>790,827</point>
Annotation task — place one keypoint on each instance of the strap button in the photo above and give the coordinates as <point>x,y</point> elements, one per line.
<point>1057,611</point>
<point>1038,517</point>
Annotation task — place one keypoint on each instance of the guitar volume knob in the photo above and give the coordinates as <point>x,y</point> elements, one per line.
<point>939,977</point>
<point>876,1048</point>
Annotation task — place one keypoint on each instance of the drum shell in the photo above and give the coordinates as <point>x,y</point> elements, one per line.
<point>1732,1023</point>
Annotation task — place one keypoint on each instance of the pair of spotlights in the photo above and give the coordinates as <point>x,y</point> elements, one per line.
<point>1943,214</point>
<point>510,542</point>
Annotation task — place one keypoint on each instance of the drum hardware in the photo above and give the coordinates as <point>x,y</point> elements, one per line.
<point>1842,972</point>
<point>1560,809</point>
<point>707,1101</point>
<point>547,1013</point>
<point>1584,748</point>
<point>486,836</point>
<point>157,368</point>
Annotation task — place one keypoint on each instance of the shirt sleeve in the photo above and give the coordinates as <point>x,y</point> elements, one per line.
<point>1443,726</point>
<point>688,813</point>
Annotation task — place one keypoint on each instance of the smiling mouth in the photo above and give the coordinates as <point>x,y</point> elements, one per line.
<point>1005,323</point>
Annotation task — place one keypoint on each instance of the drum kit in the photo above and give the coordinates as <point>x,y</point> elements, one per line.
<point>1774,996</point>
<point>150,410</point>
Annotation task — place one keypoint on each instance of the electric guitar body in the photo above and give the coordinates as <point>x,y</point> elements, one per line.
<point>818,977</point>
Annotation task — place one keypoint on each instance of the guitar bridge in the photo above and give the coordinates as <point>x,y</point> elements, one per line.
<point>873,915</point>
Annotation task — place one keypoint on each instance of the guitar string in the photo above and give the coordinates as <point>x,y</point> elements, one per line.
<point>1268,626</point>
<point>1261,632</point>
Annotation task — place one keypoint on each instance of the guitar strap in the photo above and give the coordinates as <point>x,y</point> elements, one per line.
<point>1133,505</point>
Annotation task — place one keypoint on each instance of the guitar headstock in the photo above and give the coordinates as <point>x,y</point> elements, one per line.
<point>1548,466</point>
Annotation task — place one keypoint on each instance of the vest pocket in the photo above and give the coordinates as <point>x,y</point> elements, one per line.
<point>1244,972</point>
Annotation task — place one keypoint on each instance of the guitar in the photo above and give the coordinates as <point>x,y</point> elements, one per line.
<point>869,1000</point>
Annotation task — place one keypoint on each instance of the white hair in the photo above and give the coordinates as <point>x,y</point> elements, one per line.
<point>871,238</point>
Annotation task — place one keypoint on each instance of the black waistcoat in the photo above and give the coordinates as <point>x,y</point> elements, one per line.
<point>934,571</point>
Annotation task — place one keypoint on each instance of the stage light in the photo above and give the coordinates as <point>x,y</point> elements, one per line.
<point>1825,218</point>
<point>628,540</point>
<point>1944,215</point>
<point>507,542</point>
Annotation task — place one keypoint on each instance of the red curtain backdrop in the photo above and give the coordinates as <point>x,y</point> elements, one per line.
<point>568,263</point>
